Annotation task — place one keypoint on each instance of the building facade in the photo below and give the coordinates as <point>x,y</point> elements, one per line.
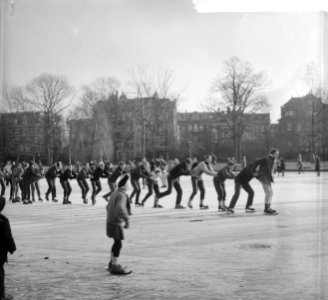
<point>210,132</point>
<point>123,129</point>
<point>303,127</point>
<point>24,136</point>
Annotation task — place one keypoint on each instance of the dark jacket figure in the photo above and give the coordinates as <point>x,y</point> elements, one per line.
<point>242,181</point>
<point>180,169</point>
<point>95,180</point>
<point>219,183</point>
<point>281,167</point>
<point>7,245</point>
<point>51,175</point>
<point>28,178</point>
<point>64,178</point>
<point>113,177</point>
<point>82,176</point>
<point>136,174</point>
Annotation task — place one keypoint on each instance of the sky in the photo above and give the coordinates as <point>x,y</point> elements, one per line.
<point>87,39</point>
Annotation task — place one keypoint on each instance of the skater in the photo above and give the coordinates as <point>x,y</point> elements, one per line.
<point>317,164</point>
<point>140,172</point>
<point>242,181</point>
<point>7,245</point>
<point>264,170</point>
<point>82,176</point>
<point>180,169</point>
<point>65,176</point>
<point>8,177</point>
<point>117,215</point>
<point>219,183</point>
<point>28,176</point>
<point>95,180</point>
<point>197,170</point>
<point>17,177</point>
<point>112,178</point>
<point>51,175</point>
<point>299,164</point>
<point>281,167</point>
<point>35,182</point>
<point>152,183</point>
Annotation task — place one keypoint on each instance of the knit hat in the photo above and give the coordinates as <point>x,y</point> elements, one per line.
<point>2,202</point>
<point>123,181</point>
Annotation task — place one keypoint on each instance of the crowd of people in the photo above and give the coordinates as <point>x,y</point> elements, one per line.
<point>160,177</point>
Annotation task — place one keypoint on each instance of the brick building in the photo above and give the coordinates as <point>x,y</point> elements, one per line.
<point>123,128</point>
<point>302,127</point>
<point>209,132</point>
<point>23,136</point>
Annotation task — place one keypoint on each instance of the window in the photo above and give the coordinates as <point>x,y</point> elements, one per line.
<point>299,127</point>
<point>190,127</point>
<point>289,127</point>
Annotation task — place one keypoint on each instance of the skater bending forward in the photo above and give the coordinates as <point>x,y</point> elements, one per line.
<point>263,173</point>
<point>117,215</point>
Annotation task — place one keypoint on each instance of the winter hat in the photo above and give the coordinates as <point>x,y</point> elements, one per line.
<point>2,202</point>
<point>123,181</point>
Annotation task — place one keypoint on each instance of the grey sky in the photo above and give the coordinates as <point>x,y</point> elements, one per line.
<point>87,39</point>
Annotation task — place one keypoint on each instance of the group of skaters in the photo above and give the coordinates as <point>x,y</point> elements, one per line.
<point>160,177</point>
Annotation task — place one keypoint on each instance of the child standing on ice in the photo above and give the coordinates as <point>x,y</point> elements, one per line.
<point>117,215</point>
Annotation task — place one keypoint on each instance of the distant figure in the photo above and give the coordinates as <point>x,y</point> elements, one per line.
<point>281,167</point>
<point>299,164</point>
<point>317,164</point>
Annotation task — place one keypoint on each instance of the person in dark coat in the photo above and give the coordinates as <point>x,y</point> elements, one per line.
<point>136,174</point>
<point>262,170</point>
<point>51,176</point>
<point>82,176</point>
<point>64,178</point>
<point>7,245</point>
<point>28,178</point>
<point>95,180</point>
<point>180,169</point>
<point>113,177</point>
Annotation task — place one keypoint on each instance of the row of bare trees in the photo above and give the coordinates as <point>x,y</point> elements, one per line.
<point>239,89</point>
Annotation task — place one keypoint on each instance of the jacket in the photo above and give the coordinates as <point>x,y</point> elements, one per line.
<point>7,243</point>
<point>117,212</point>
<point>201,168</point>
<point>179,170</point>
<point>224,174</point>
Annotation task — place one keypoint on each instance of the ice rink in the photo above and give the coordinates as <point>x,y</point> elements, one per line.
<point>62,250</point>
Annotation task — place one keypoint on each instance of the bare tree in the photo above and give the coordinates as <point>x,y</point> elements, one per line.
<point>15,102</point>
<point>157,84</point>
<point>99,90</point>
<point>241,90</point>
<point>312,80</point>
<point>50,94</point>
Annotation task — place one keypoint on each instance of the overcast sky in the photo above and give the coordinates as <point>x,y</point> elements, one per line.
<point>87,39</point>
